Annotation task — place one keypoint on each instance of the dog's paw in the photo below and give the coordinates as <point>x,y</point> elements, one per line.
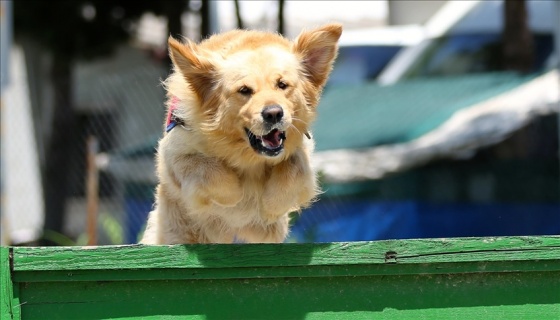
<point>211,184</point>
<point>291,186</point>
<point>227,198</point>
<point>204,197</point>
<point>272,215</point>
<point>274,232</point>
<point>225,189</point>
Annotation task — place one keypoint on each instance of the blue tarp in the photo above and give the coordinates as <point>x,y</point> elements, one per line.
<point>362,220</point>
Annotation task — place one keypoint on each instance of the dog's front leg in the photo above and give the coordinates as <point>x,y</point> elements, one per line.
<point>206,181</point>
<point>291,185</point>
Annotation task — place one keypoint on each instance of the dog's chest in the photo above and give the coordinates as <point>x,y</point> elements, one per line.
<point>249,209</point>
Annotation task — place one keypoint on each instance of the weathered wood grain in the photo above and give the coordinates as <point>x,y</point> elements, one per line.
<point>510,295</point>
<point>9,300</point>
<point>459,278</point>
<point>418,251</point>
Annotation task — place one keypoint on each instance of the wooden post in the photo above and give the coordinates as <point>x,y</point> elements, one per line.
<point>92,189</point>
<point>517,37</point>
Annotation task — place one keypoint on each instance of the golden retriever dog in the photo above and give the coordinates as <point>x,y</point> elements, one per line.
<point>235,160</point>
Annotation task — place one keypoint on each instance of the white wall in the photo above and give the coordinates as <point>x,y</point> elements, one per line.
<point>22,199</point>
<point>402,12</point>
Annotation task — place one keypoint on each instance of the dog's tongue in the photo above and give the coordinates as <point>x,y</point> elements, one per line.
<point>274,138</point>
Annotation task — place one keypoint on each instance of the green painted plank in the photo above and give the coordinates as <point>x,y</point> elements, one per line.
<point>6,286</point>
<point>284,272</point>
<point>9,305</point>
<point>418,251</point>
<point>509,295</point>
<point>465,278</point>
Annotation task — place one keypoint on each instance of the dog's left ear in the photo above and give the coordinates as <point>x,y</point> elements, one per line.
<point>193,65</point>
<point>317,50</point>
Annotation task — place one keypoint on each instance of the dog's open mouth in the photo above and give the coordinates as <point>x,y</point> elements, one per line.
<point>270,144</point>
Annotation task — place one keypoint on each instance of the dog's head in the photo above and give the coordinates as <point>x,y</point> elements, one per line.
<point>253,94</point>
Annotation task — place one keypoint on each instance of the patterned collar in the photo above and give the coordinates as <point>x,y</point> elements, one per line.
<point>172,119</point>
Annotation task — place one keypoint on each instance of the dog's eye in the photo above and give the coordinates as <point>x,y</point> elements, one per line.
<point>246,91</point>
<point>282,85</point>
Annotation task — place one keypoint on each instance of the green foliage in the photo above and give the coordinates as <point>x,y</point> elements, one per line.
<point>63,240</point>
<point>110,226</point>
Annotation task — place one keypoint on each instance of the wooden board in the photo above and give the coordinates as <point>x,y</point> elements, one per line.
<point>460,278</point>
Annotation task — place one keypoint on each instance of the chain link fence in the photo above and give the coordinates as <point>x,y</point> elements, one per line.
<point>452,155</point>
<point>121,104</point>
<point>119,101</point>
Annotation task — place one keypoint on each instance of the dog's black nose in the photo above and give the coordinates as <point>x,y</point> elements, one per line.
<point>272,114</point>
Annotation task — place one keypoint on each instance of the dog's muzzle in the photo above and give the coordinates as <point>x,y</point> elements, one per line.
<point>270,144</point>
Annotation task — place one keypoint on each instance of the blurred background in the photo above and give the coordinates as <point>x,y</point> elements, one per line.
<point>441,118</point>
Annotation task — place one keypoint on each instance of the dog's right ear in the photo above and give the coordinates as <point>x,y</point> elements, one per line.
<point>195,68</point>
<point>318,49</point>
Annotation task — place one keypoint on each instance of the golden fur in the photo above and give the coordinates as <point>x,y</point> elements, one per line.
<point>214,186</point>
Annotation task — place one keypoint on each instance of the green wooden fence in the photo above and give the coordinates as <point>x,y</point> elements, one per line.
<point>459,278</point>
